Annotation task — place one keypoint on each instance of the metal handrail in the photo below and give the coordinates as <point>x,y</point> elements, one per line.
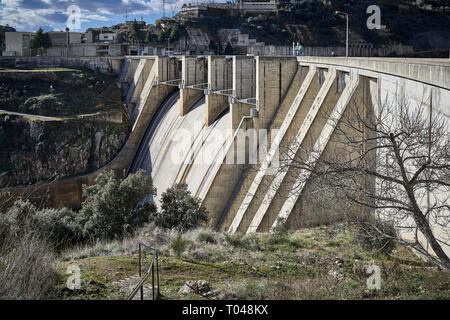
<point>150,271</point>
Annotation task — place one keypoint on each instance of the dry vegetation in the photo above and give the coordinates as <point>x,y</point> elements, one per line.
<point>318,263</point>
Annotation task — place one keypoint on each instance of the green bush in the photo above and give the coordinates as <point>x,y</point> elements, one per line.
<point>280,236</point>
<point>61,224</point>
<point>206,237</point>
<point>280,240</point>
<point>113,207</point>
<point>180,210</point>
<point>377,235</point>
<point>248,241</point>
<point>277,239</point>
<point>179,245</point>
<point>281,227</point>
<point>58,225</point>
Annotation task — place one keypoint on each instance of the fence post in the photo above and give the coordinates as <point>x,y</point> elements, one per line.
<point>153,281</point>
<point>140,270</point>
<point>157,270</point>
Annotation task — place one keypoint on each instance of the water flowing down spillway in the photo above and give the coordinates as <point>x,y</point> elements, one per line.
<point>179,149</point>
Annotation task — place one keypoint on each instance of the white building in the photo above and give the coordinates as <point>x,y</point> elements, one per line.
<point>258,5</point>
<point>18,43</point>
<point>107,36</point>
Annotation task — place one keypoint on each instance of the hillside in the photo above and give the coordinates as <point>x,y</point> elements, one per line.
<point>424,24</point>
<point>317,263</point>
<point>316,24</point>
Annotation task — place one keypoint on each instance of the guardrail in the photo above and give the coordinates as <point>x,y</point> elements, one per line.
<point>150,272</point>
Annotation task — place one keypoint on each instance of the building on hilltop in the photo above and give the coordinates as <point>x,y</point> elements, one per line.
<point>209,9</point>
<point>66,44</point>
<point>255,6</point>
<point>230,9</point>
<point>18,43</point>
<point>108,36</point>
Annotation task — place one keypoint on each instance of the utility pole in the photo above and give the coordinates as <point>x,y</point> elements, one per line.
<point>346,42</point>
<point>164,8</point>
<point>347,33</point>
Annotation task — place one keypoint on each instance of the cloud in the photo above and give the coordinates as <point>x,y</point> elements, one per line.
<point>96,17</point>
<point>29,15</point>
<point>32,14</point>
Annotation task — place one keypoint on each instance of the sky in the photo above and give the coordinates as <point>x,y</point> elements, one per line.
<point>30,15</point>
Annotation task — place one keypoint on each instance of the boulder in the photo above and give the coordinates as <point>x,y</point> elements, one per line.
<point>201,287</point>
<point>190,287</point>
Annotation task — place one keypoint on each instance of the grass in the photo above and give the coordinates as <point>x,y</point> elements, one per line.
<point>323,263</point>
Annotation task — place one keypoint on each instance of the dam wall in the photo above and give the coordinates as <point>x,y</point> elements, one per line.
<point>196,118</point>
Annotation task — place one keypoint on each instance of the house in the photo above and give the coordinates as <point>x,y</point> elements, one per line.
<point>107,36</point>
<point>18,44</point>
<point>66,44</point>
<point>255,6</point>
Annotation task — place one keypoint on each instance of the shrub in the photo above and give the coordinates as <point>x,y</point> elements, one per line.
<point>277,239</point>
<point>206,237</point>
<point>26,265</point>
<point>248,241</point>
<point>280,236</point>
<point>178,245</point>
<point>281,227</point>
<point>180,210</point>
<point>113,207</point>
<point>284,240</point>
<point>374,234</point>
<point>58,225</point>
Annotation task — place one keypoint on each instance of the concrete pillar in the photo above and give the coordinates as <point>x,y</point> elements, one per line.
<point>215,104</point>
<point>168,69</point>
<point>244,77</point>
<point>188,97</point>
<point>244,87</point>
<point>131,70</point>
<point>142,74</point>
<point>220,77</point>
<point>194,72</point>
<point>274,77</point>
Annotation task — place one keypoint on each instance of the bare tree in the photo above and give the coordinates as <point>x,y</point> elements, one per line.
<point>392,160</point>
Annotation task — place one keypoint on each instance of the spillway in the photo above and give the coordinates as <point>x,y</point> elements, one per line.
<point>178,148</point>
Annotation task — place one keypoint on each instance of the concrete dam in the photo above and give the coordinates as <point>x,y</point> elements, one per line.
<point>191,115</point>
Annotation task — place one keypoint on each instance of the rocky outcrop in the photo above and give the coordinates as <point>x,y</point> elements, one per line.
<point>34,150</point>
